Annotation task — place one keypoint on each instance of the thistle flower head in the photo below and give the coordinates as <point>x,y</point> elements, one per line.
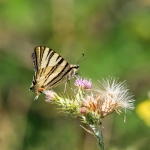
<point>50,95</point>
<point>116,93</point>
<point>91,102</point>
<point>83,83</point>
<point>110,97</point>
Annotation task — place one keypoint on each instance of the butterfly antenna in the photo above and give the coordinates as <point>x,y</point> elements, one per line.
<point>82,58</point>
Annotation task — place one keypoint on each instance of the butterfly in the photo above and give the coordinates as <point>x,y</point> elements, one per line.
<point>50,70</point>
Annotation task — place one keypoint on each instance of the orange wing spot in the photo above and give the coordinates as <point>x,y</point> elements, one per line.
<point>40,90</point>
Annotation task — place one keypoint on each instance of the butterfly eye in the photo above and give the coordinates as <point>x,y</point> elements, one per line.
<point>77,66</point>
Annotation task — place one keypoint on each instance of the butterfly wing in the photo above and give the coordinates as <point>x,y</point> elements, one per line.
<point>50,69</point>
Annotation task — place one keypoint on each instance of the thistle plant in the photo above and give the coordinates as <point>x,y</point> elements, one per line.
<point>93,104</point>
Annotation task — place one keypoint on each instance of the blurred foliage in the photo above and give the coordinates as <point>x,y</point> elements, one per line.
<point>113,35</point>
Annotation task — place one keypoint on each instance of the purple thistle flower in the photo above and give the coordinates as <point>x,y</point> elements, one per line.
<point>50,95</point>
<point>83,83</point>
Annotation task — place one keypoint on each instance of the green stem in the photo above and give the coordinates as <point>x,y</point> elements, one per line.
<point>98,134</point>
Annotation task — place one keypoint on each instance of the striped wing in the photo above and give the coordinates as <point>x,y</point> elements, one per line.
<point>50,69</point>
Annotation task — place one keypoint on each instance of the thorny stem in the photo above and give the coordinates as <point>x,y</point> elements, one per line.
<point>98,134</point>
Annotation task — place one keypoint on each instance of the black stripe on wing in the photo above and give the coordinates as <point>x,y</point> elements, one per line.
<point>37,57</point>
<point>49,52</point>
<point>54,68</point>
<point>62,76</point>
<point>34,80</point>
<point>41,51</point>
<point>49,58</point>
<point>59,77</point>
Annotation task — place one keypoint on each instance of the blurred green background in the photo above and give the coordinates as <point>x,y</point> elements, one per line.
<point>115,38</point>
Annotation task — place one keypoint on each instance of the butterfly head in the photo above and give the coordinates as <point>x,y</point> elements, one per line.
<point>75,68</point>
<point>73,71</point>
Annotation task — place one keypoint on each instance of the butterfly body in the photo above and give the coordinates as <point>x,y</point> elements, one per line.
<point>50,69</point>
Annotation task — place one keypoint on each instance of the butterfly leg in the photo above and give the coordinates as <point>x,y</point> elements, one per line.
<point>65,87</point>
<point>68,82</point>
